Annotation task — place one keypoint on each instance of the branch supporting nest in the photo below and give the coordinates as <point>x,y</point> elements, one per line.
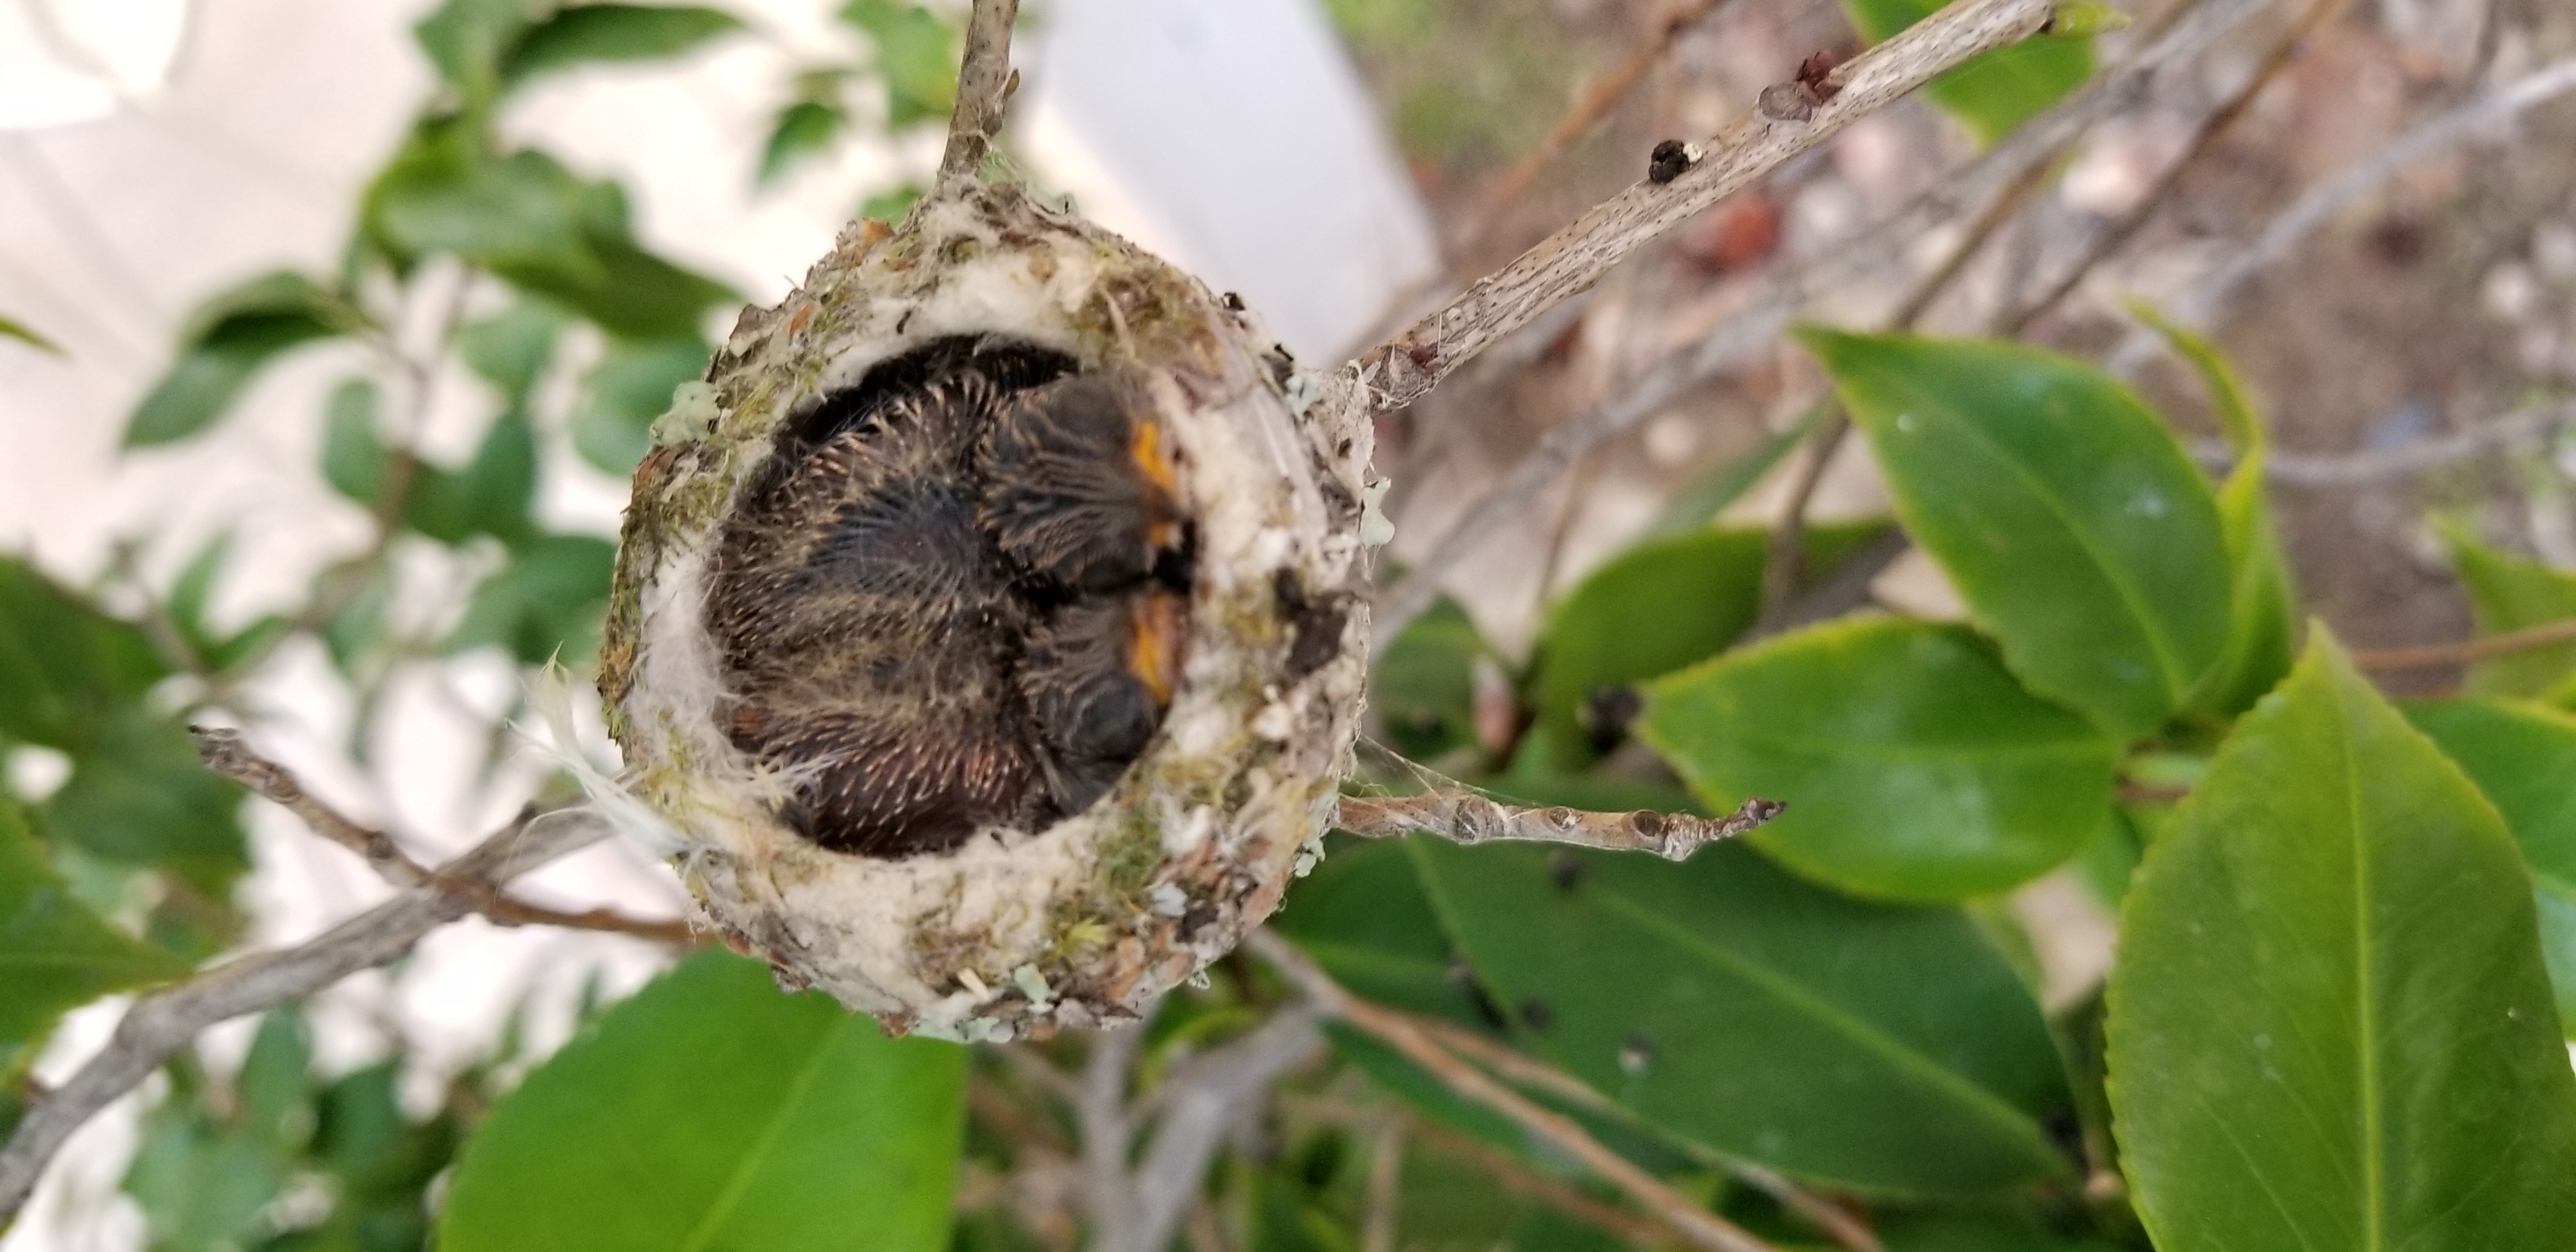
<point>984,81</point>
<point>1464,817</point>
<point>1408,366</point>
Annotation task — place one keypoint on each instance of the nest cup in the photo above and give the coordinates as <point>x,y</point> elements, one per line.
<point>1081,921</point>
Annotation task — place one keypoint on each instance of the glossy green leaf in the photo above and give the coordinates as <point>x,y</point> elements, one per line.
<point>1732,1005</point>
<point>2070,521</point>
<point>355,460</point>
<point>227,342</point>
<point>586,33</point>
<point>1363,916</point>
<point>2508,593</point>
<point>803,129</point>
<point>1659,606</point>
<point>545,604</point>
<point>1997,91</point>
<point>2262,636</point>
<point>65,667</point>
<point>2330,1026</point>
<point>12,328</point>
<point>1914,767</point>
<point>55,954</point>
<point>712,1111</point>
<point>916,55</point>
<point>633,293</point>
<point>631,386</point>
<point>467,40</point>
<point>2523,756</point>
<point>1424,684</point>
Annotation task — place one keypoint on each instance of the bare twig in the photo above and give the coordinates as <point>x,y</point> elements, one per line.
<point>1599,97</point>
<point>1521,1180</point>
<point>2111,239</point>
<point>1198,1108</point>
<point>1465,817</point>
<point>162,1023</point>
<point>1761,319</point>
<point>1528,1071</point>
<point>1401,370</point>
<point>984,81</point>
<point>2521,428</point>
<point>2547,634</point>
<point>224,752</point>
<point>1696,1225</point>
<point>1385,1188</point>
<point>2481,115</point>
<point>1107,1129</point>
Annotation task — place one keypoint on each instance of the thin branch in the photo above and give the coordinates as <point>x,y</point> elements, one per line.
<point>1466,818</point>
<point>1199,1108</point>
<point>2481,115</point>
<point>160,1024</point>
<point>2110,240</point>
<point>2426,656</point>
<point>2521,428</point>
<point>1696,1225</point>
<point>1101,1114</point>
<point>1761,319</point>
<point>1599,97</point>
<point>224,752</point>
<point>984,81</point>
<point>1385,1188</point>
<point>1521,1180</point>
<point>1522,1068</point>
<point>1406,367</point>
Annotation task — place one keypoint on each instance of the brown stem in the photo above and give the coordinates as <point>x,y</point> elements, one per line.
<point>1696,1225</point>
<point>2467,650</point>
<point>984,80</point>
<point>1466,818</point>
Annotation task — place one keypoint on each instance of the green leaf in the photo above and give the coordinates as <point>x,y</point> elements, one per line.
<point>2262,635</point>
<point>583,33</point>
<point>916,54</point>
<point>2522,756</point>
<point>491,495</point>
<point>712,1111</point>
<point>2330,1027</point>
<point>1914,767</point>
<point>633,294</point>
<point>2508,593</point>
<point>1424,687</point>
<point>139,796</point>
<point>1732,1005</point>
<point>1661,605</point>
<point>65,667</point>
<point>355,460</point>
<point>467,40</point>
<point>2071,522</point>
<point>275,1087</point>
<point>12,328</point>
<point>1363,916</point>
<point>802,130</point>
<point>227,342</point>
<point>632,386</point>
<point>511,347</point>
<point>57,955</point>
<point>1997,91</point>
<point>546,603</point>
<point>522,212</point>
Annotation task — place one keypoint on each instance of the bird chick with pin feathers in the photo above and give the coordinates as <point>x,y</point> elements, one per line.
<point>988,635</point>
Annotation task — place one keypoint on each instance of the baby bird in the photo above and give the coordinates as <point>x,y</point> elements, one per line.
<point>954,602</point>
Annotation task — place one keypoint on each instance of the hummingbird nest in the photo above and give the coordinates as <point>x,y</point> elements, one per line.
<point>988,626</point>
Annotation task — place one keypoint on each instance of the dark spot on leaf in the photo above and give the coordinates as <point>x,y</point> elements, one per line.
<point>1566,870</point>
<point>1537,1014</point>
<point>1606,715</point>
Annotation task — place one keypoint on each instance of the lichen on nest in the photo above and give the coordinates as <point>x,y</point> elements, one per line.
<point>1150,816</point>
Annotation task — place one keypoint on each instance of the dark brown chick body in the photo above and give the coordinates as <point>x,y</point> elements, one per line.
<point>954,609</point>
